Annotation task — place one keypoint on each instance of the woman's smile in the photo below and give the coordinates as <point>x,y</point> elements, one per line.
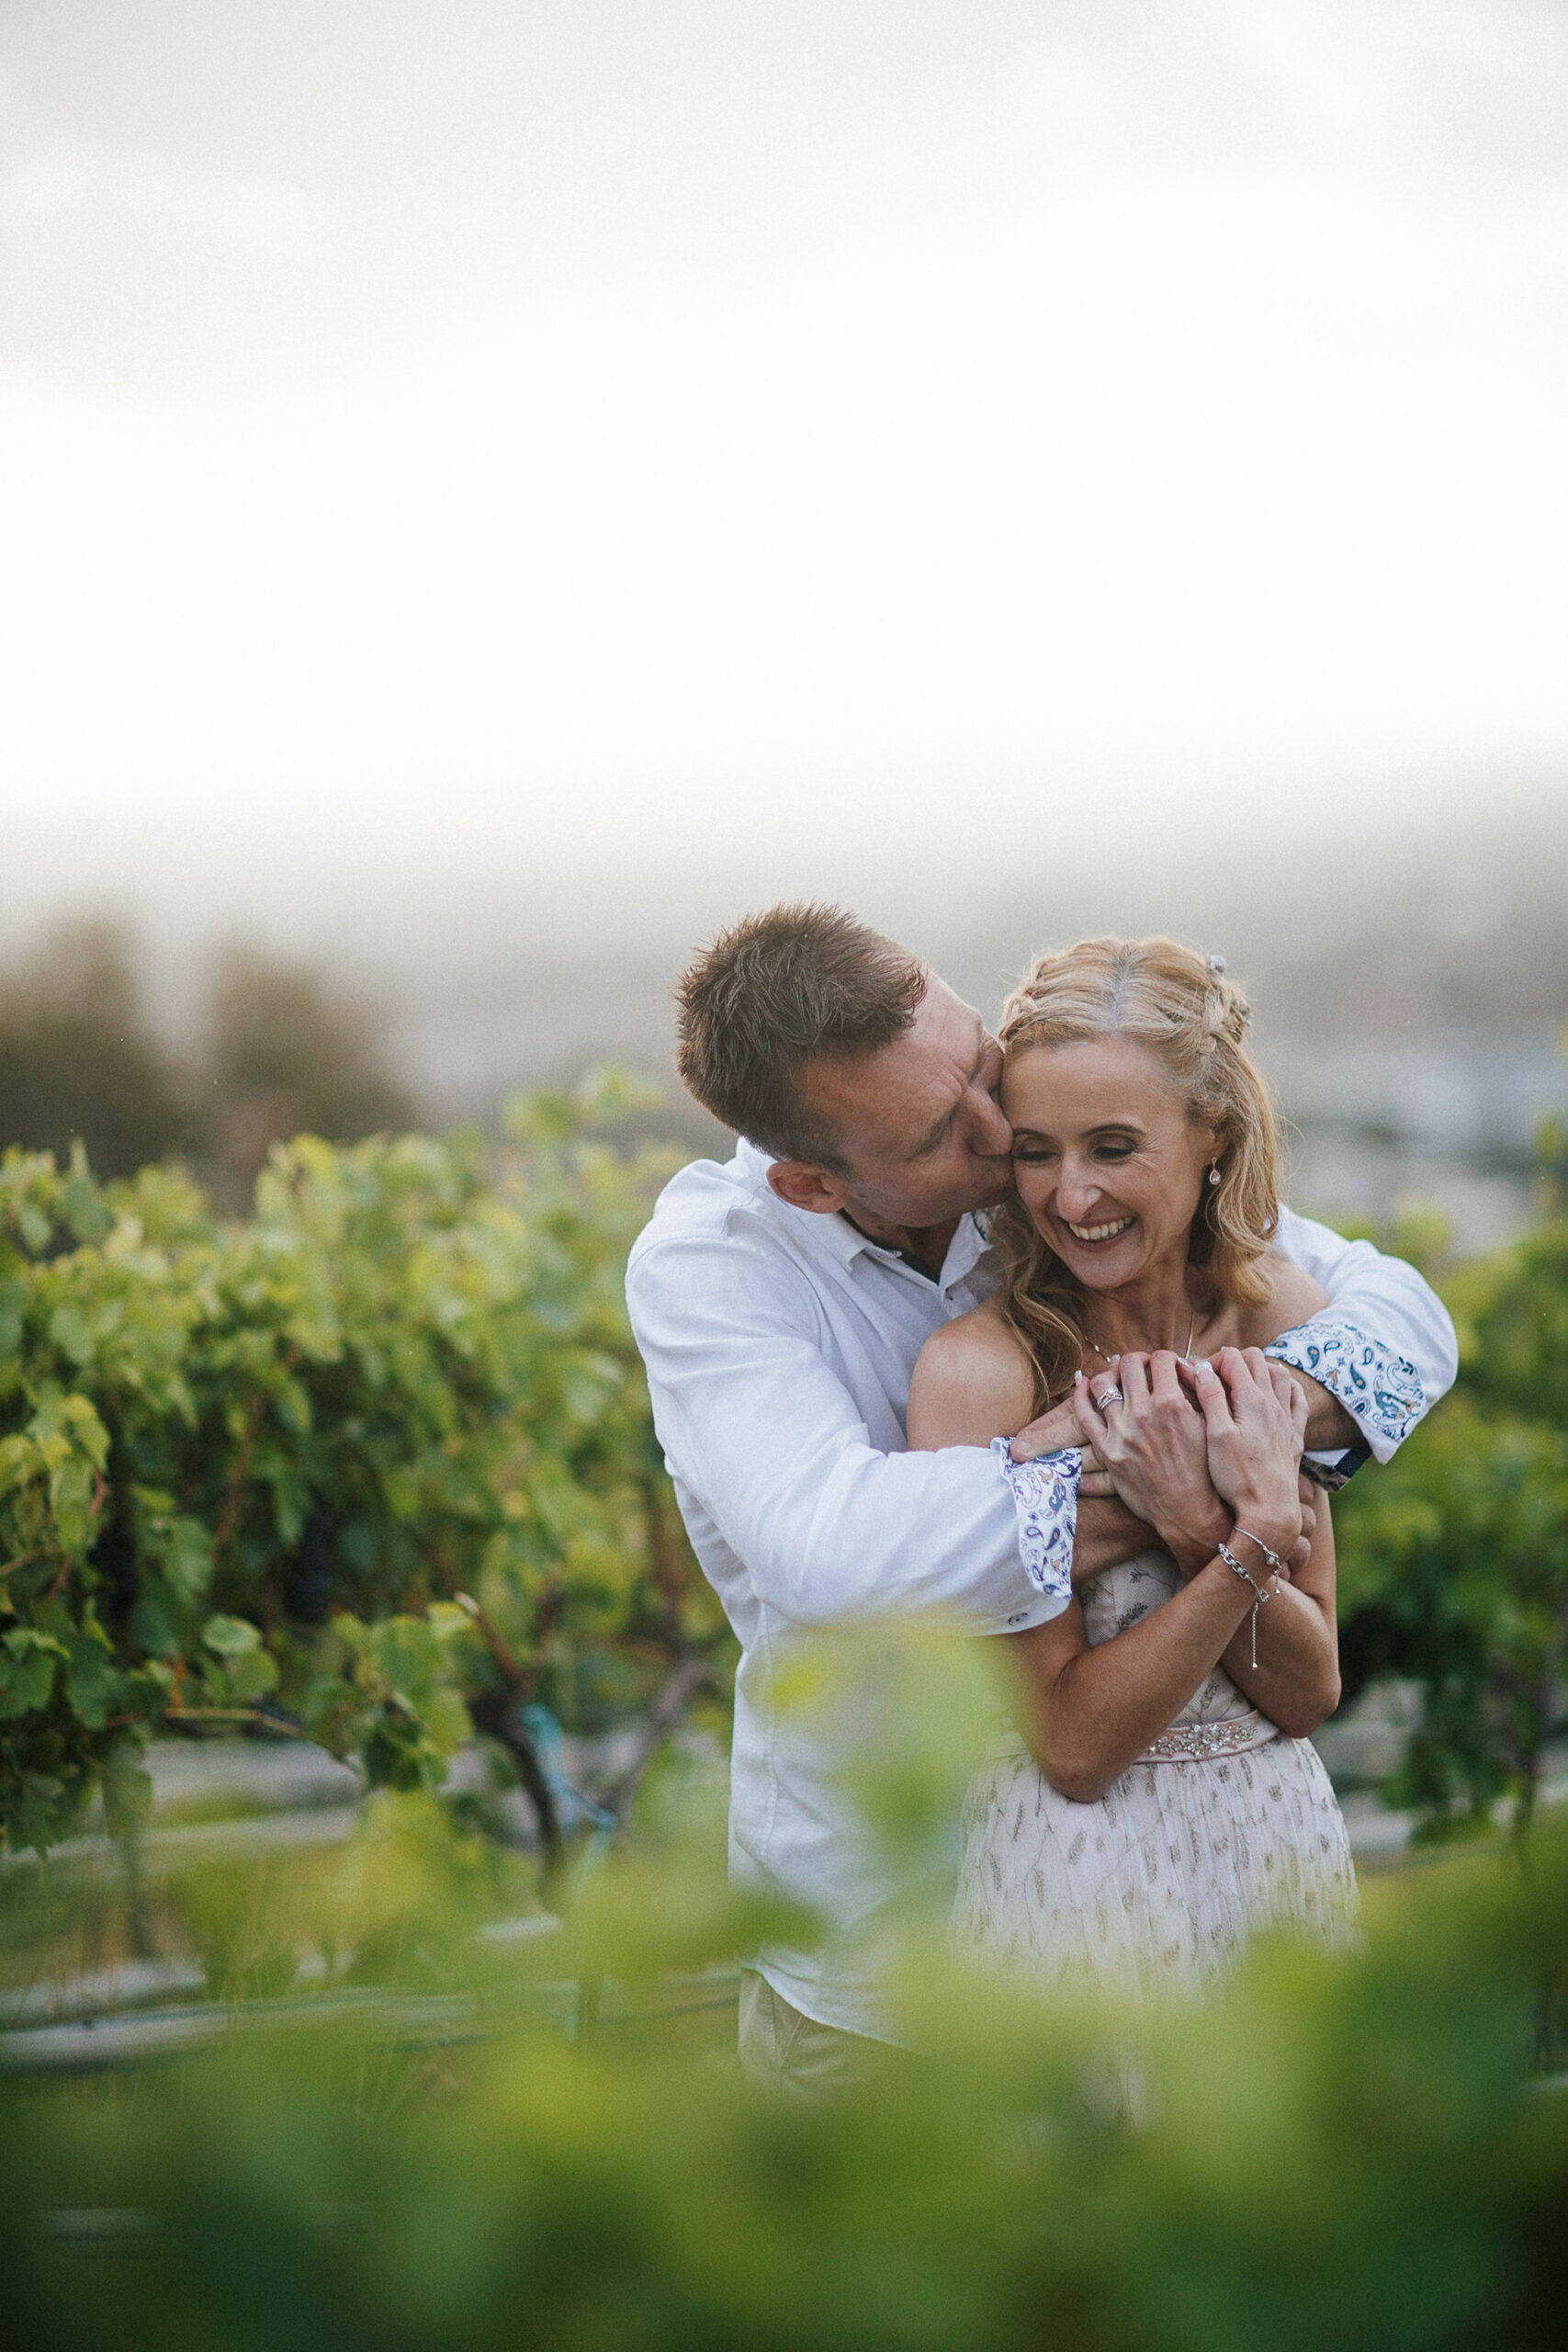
<point>1107,1161</point>
<point>1091,1234</point>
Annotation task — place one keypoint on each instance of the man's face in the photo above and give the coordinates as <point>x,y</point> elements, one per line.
<point>919,1119</point>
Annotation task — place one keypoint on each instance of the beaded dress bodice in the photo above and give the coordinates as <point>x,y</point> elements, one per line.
<point>1122,1596</point>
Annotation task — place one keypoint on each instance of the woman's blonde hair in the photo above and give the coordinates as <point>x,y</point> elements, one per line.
<point>1182,1007</point>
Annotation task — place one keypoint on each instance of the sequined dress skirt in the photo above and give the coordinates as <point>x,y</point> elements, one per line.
<point>1156,1887</point>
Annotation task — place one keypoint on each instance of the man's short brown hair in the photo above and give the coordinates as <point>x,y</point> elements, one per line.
<point>779,990</point>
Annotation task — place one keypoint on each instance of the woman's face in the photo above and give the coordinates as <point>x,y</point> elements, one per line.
<point>1105,1157</point>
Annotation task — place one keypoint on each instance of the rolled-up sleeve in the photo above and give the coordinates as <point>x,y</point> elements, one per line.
<point>1385,1343</point>
<point>755,1422</point>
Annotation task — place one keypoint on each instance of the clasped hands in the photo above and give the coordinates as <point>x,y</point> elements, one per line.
<point>1192,1448</point>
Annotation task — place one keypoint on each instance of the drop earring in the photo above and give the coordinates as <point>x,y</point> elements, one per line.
<point>1214,1172</point>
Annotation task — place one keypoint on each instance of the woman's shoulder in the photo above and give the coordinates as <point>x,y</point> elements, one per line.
<point>1294,1295</point>
<point>975,1381</point>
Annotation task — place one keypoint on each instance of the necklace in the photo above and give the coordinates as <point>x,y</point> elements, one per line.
<point>1187,1350</point>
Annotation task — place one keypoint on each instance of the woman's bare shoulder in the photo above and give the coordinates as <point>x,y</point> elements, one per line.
<point>973,1382</point>
<point>1294,1295</point>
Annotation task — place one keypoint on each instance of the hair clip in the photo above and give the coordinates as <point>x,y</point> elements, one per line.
<point>1217,965</point>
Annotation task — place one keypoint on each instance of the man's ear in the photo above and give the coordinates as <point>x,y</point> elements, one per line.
<point>806,1187</point>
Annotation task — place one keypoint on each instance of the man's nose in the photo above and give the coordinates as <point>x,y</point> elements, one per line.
<point>992,1130</point>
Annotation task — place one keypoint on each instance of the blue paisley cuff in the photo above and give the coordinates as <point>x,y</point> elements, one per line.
<point>1045,1497</point>
<point>1381,1390</point>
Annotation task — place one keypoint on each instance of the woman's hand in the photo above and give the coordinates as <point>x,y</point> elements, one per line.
<point>1255,1416</point>
<point>1153,1448</point>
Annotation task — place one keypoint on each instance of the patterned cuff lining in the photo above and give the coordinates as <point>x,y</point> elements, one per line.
<point>1381,1390</point>
<point>1045,1496</point>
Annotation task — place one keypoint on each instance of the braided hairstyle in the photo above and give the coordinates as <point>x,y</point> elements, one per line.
<point>1181,1005</point>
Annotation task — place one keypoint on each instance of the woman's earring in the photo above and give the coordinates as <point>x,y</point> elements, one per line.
<point>1214,1172</point>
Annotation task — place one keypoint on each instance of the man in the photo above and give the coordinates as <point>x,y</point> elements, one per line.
<point>780,1302</point>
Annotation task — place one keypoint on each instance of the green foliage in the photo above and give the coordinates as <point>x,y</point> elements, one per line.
<point>1455,1556</point>
<point>374,1456</point>
<point>1356,2155</point>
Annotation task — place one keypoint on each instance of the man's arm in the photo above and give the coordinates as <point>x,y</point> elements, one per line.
<point>1379,1355</point>
<point>1107,1534</point>
<point>1330,1430</point>
<point>757,1424</point>
<point>974,1378</point>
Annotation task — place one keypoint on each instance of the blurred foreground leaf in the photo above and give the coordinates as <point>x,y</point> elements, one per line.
<point>1356,2155</point>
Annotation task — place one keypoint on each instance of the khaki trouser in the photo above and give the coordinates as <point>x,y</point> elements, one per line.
<point>807,2059</point>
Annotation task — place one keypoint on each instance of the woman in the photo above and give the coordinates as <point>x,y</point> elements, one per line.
<point>1163,1797</point>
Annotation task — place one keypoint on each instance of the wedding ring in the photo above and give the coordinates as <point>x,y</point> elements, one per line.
<point>1111,1396</point>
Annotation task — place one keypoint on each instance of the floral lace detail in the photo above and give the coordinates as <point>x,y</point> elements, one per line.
<point>1382,1390</point>
<point>1045,1496</point>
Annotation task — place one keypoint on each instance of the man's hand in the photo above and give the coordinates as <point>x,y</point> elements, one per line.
<point>1153,1449</point>
<point>1049,1434</point>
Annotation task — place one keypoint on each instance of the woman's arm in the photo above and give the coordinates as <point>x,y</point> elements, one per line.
<point>1295,1679</point>
<point>1087,1713</point>
<point>973,1381</point>
<point>1295,1682</point>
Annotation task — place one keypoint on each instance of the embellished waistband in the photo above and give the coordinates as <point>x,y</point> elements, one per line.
<point>1183,1744</point>
<point>1196,1743</point>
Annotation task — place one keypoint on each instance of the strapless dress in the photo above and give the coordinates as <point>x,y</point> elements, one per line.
<point>1222,1825</point>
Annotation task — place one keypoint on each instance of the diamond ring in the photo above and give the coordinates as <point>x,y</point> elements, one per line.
<point>1111,1396</point>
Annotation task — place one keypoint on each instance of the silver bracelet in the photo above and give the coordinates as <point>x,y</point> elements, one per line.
<point>1261,1594</point>
<point>1273,1558</point>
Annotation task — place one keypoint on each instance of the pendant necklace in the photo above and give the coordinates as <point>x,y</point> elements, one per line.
<point>1186,1351</point>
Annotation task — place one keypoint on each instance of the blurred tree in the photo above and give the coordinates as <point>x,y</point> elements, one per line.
<point>286,1054</point>
<point>77,1057</point>
<point>1551,1160</point>
<point>1455,1558</point>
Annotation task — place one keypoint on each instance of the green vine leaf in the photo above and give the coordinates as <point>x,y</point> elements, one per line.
<point>248,1461</point>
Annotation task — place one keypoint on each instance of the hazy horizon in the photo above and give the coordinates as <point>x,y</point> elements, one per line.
<point>471,438</point>
<point>493,494</point>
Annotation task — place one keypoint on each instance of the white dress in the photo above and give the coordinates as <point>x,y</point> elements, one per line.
<point>1222,1826</point>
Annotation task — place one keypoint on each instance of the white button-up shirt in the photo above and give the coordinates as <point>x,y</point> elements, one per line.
<point>780,1347</point>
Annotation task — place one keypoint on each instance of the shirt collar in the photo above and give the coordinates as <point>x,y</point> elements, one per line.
<point>836,1237</point>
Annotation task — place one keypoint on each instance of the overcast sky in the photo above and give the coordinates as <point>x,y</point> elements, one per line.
<point>447,435</point>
